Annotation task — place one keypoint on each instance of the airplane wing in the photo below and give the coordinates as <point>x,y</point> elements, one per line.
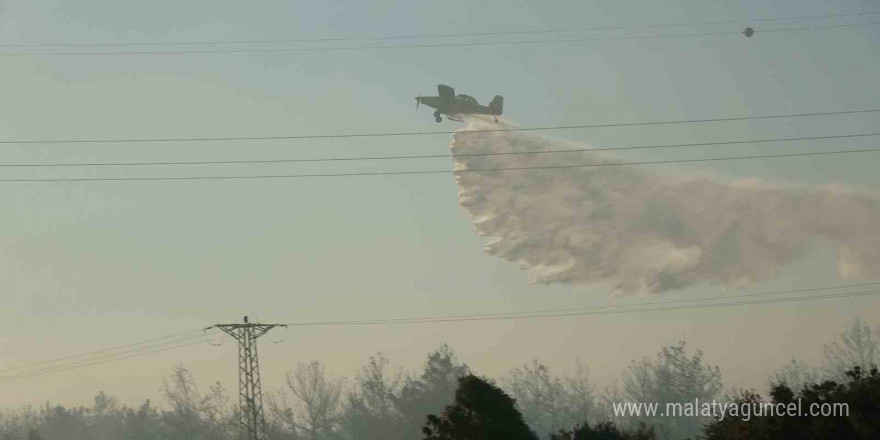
<point>445,92</point>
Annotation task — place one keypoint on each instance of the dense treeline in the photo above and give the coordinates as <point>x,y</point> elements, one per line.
<point>858,420</point>
<point>482,411</point>
<point>381,403</point>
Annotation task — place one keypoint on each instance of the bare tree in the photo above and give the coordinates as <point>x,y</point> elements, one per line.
<point>377,385</point>
<point>216,413</point>
<point>795,375</point>
<point>105,419</point>
<point>549,403</point>
<point>194,416</point>
<point>857,346</point>
<point>581,398</point>
<point>539,396</point>
<point>182,394</point>
<point>673,377</point>
<point>369,407</point>
<point>316,409</point>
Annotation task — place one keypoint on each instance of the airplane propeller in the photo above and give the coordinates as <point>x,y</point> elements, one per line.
<point>418,101</point>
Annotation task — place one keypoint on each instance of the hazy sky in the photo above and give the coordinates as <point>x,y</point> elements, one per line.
<point>89,265</point>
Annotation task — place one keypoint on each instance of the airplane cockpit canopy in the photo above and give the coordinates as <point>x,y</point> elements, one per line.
<point>467,99</point>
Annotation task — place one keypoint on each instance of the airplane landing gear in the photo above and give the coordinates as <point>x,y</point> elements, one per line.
<point>437,116</point>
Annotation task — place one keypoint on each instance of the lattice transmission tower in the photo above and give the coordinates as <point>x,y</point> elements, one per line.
<point>252,423</point>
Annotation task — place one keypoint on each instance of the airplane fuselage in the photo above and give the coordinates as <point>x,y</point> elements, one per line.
<point>447,103</point>
<point>457,107</point>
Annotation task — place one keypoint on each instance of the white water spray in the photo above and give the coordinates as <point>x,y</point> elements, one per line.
<point>647,230</point>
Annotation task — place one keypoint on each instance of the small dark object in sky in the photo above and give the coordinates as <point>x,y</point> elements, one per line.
<point>455,106</point>
<point>749,32</point>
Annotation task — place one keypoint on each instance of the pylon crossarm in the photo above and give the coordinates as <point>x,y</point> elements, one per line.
<point>231,331</point>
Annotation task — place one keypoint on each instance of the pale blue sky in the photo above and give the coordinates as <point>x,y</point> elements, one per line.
<point>89,265</point>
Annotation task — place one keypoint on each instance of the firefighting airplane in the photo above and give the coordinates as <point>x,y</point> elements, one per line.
<point>455,106</point>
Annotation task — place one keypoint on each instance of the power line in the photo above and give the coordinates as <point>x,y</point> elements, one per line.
<point>635,309</point>
<point>425,133</point>
<point>111,356</point>
<point>812,28</point>
<point>611,309</point>
<point>591,308</point>
<point>392,173</point>
<point>427,45</point>
<point>105,350</point>
<point>432,156</point>
<point>66,368</point>
<point>447,35</point>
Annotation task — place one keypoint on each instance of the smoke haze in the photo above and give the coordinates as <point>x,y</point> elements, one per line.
<point>647,229</point>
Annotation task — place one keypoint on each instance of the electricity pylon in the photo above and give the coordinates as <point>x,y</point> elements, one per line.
<point>252,423</point>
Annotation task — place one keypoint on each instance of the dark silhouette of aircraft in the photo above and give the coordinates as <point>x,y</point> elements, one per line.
<point>455,106</point>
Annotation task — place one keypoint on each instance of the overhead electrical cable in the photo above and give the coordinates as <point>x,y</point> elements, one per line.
<point>681,304</point>
<point>426,45</point>
<point>474,318</point>
<point>433,156</point>
<point>83,359</point>
<point>426,36</point>
<point>392,173</point>
<point>91,353</point>
<point>425,133</point>
<point>98,362</point>
<point>633,309</point>
<point>592,308</point>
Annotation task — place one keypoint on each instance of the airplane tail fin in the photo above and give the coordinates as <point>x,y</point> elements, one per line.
<point>497,104</point>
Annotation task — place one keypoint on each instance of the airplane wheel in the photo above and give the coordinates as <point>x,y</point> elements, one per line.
<point>438,119</point>
<point>437,114</point>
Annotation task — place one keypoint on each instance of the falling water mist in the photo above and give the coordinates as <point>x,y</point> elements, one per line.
<point>646,229</point>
